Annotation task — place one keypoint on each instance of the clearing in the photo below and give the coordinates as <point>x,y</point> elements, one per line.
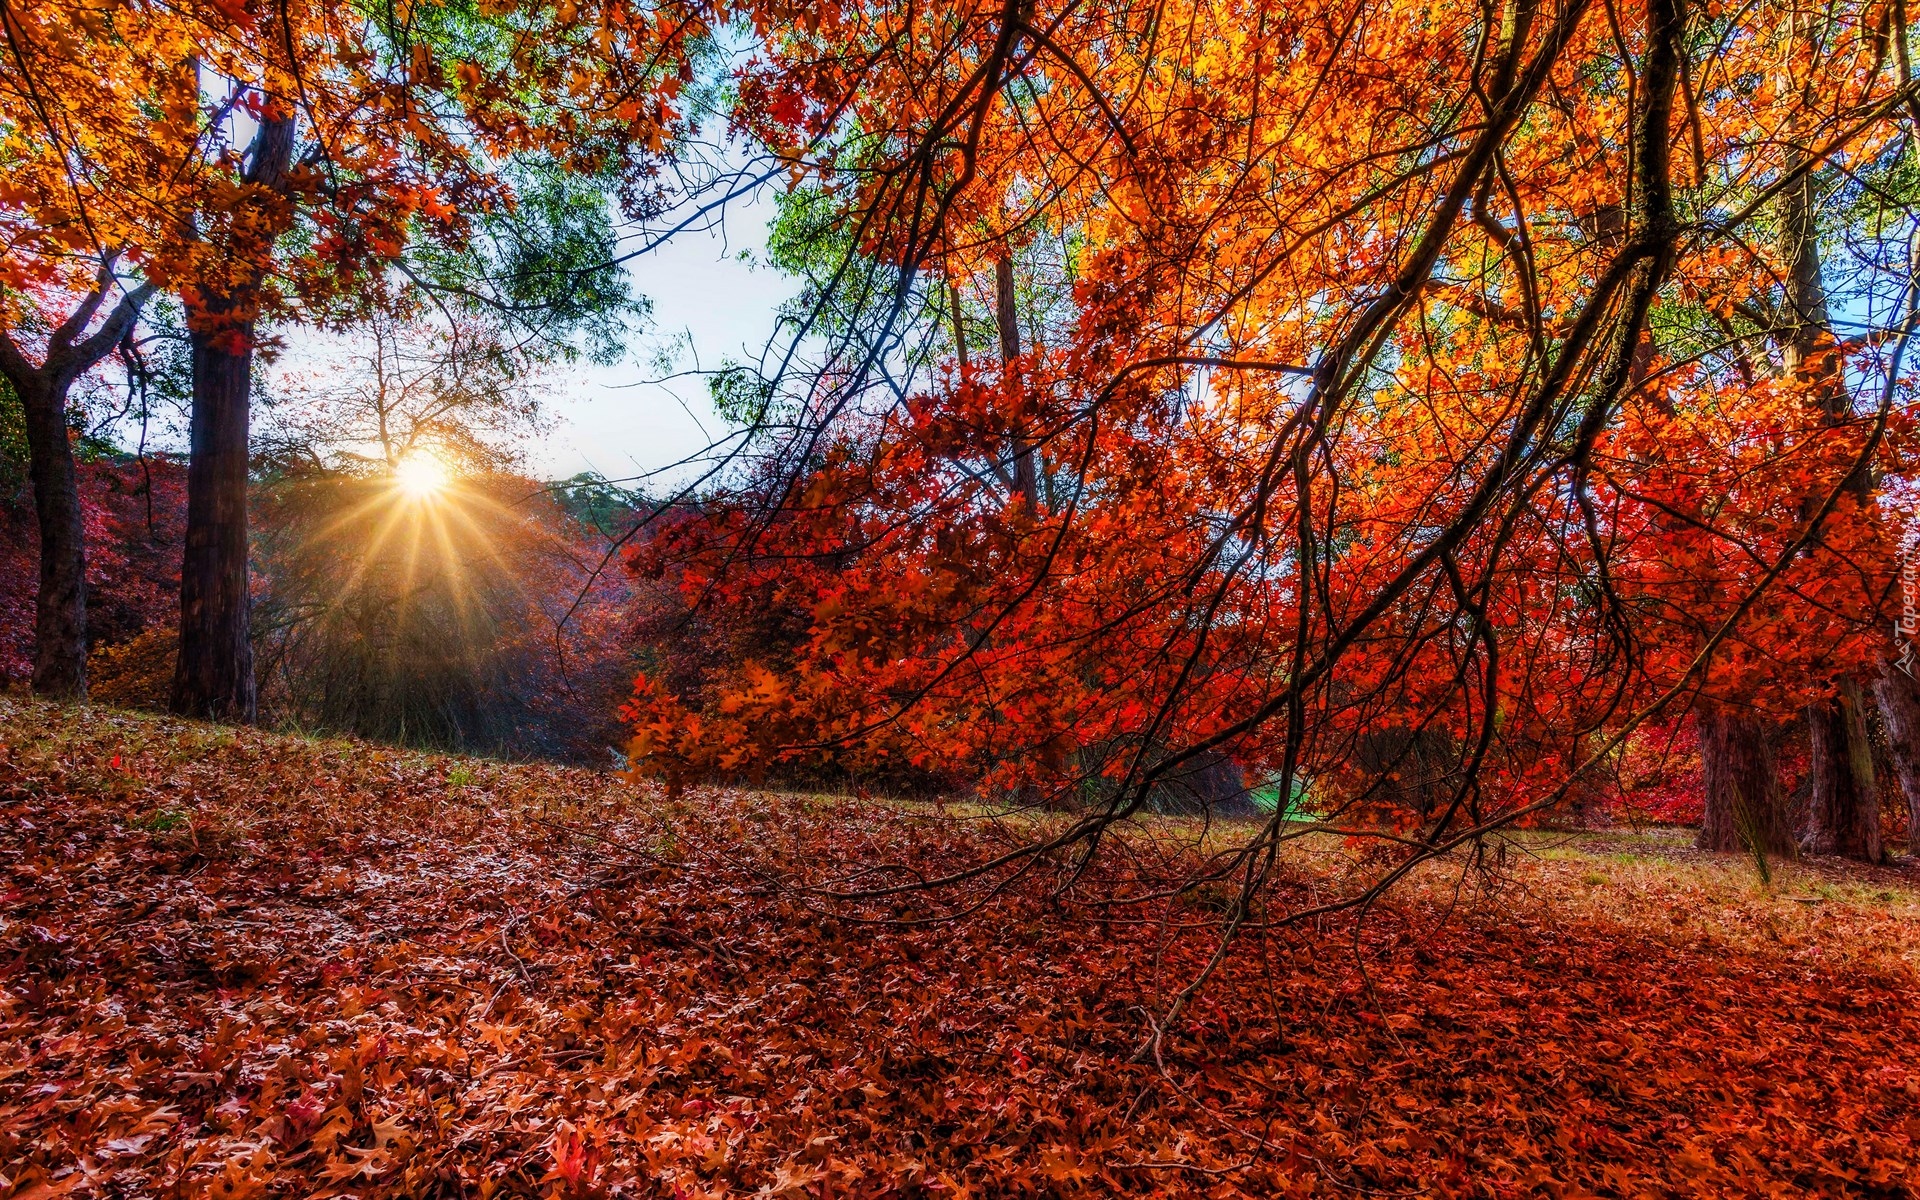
<point>240,964</point>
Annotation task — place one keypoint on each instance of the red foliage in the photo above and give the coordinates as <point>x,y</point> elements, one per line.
<point>896,615</point>
<point>1421,482</point>
<point>1659,774</point>
<point>135,516</point>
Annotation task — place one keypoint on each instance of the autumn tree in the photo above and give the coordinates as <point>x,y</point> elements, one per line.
<point>1399,439</point>
<point>252,158</point>
<point>98,131</point>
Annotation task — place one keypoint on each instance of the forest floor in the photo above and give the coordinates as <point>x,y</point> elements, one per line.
<point>239,964</point>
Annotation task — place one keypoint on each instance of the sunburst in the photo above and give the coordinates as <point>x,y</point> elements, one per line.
<point>421,476</point>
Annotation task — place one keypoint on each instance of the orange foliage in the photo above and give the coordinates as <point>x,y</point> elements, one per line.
<point>1381,399</point>
<point>143,118</point>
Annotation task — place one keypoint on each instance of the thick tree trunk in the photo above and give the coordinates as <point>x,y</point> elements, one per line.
<point>1844,816</point>
<point>1843,810</point>
<point>60,611</point>
<point>213,677</point>
<point>1900,711</point>
<point>1744,808</point>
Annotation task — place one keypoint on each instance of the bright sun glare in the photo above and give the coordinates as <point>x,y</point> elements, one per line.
<point>421,476</point>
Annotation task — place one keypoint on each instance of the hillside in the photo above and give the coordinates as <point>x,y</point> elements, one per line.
<point>240,964</point>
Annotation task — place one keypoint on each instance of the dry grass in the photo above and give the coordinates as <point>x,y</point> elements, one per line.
<point>1827,912</point>
<point>1649,882</point>
<point>1652,881</point>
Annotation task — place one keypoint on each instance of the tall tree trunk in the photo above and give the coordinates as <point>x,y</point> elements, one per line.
<point>1845,801</point>
<point>1026,480</point>
<point>1843,810</point>
<point>1900,711</point>
<point>213,676</point>
<point>1744,808</point>
<point>959,333</point>
<point>60,610</point>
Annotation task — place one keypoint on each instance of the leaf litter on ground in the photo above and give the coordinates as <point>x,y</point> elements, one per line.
<point>238,964</point>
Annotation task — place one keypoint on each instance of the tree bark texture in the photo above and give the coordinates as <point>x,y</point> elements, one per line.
<point>1843,809</point>
<point>1745,810</point>
<point>60,609</point>
<point>213,677</point>
<point>1899,699</point>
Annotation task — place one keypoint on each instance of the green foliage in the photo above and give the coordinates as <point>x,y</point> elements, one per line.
<point>810,236</point>
<point>743,396</point>
<point>13,440</point>
<point>597,503</point>
<point>547,266</point>
<point>555,254</point>
<point>456,31</point>
<point>1266,798</point>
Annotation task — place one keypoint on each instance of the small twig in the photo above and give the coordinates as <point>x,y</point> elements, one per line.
<point>517,964</point>
<point>1151,1165</point>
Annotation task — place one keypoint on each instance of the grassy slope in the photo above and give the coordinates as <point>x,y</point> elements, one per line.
<point>239,964</point>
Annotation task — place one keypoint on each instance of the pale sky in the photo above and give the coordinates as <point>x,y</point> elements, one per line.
<point>708,306</point>
<point>623,420</point>
<point>713,300</point>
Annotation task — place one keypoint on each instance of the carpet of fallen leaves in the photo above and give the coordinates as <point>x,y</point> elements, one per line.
<point>238,965</point>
